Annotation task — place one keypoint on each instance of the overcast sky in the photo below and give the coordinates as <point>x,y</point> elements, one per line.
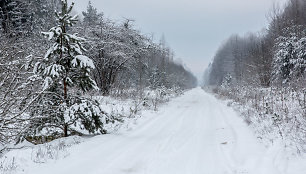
<point>194,29</point>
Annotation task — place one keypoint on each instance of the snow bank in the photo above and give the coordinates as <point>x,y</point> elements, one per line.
<point>276,114</point>
<point>26,155</point>
<point>133,112</point>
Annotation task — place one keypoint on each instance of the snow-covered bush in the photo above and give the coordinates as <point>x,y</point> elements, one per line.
<point>17,90</point>
<point>274,113</point>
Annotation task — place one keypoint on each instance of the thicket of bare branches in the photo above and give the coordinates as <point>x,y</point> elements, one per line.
<point>265,73</point>
<point>125,60</point>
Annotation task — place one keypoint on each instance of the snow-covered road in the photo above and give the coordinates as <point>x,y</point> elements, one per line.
<point>192,134</point>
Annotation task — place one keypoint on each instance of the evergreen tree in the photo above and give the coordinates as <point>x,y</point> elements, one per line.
<point>42,14</point>
<point>299,64</point>
<point>289,60</point>
<point>15,17</point>
<point>91,16</point>
<point>65,73</point>
<point>282,64</point>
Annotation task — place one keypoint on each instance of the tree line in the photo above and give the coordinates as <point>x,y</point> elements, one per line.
<point>275,57</point>
<point>51,62</point>
<point>263,76</point>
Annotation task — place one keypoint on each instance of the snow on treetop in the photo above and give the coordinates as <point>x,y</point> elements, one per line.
<point>53,31</point>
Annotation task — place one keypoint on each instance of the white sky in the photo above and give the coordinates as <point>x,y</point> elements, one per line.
<point>194,29</point>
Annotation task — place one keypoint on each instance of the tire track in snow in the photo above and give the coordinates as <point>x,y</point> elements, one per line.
<point>184,137</point>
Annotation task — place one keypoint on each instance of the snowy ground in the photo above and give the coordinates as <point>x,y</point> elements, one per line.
<point>192,134</point>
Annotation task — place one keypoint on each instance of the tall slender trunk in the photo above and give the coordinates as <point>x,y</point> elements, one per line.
<point>65,82</point>
<point>65,98</point>
<point>65,90</point>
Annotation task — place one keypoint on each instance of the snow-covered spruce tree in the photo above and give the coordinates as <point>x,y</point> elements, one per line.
<point>289,60</point>
<point>299,64</point>
<point>65,73</point>
<point>91,16</point>
<point>284,50</point>
<point>13,16</point>
<point>42,14</point>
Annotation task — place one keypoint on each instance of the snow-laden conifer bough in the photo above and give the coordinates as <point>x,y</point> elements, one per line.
<point>65,72</point>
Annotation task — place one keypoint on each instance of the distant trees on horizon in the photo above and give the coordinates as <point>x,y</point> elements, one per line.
<point>275,57</point>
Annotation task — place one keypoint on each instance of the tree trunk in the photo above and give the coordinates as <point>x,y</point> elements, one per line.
<point>65,91</point>
<point>65,130</point>
<point>65,100</point>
